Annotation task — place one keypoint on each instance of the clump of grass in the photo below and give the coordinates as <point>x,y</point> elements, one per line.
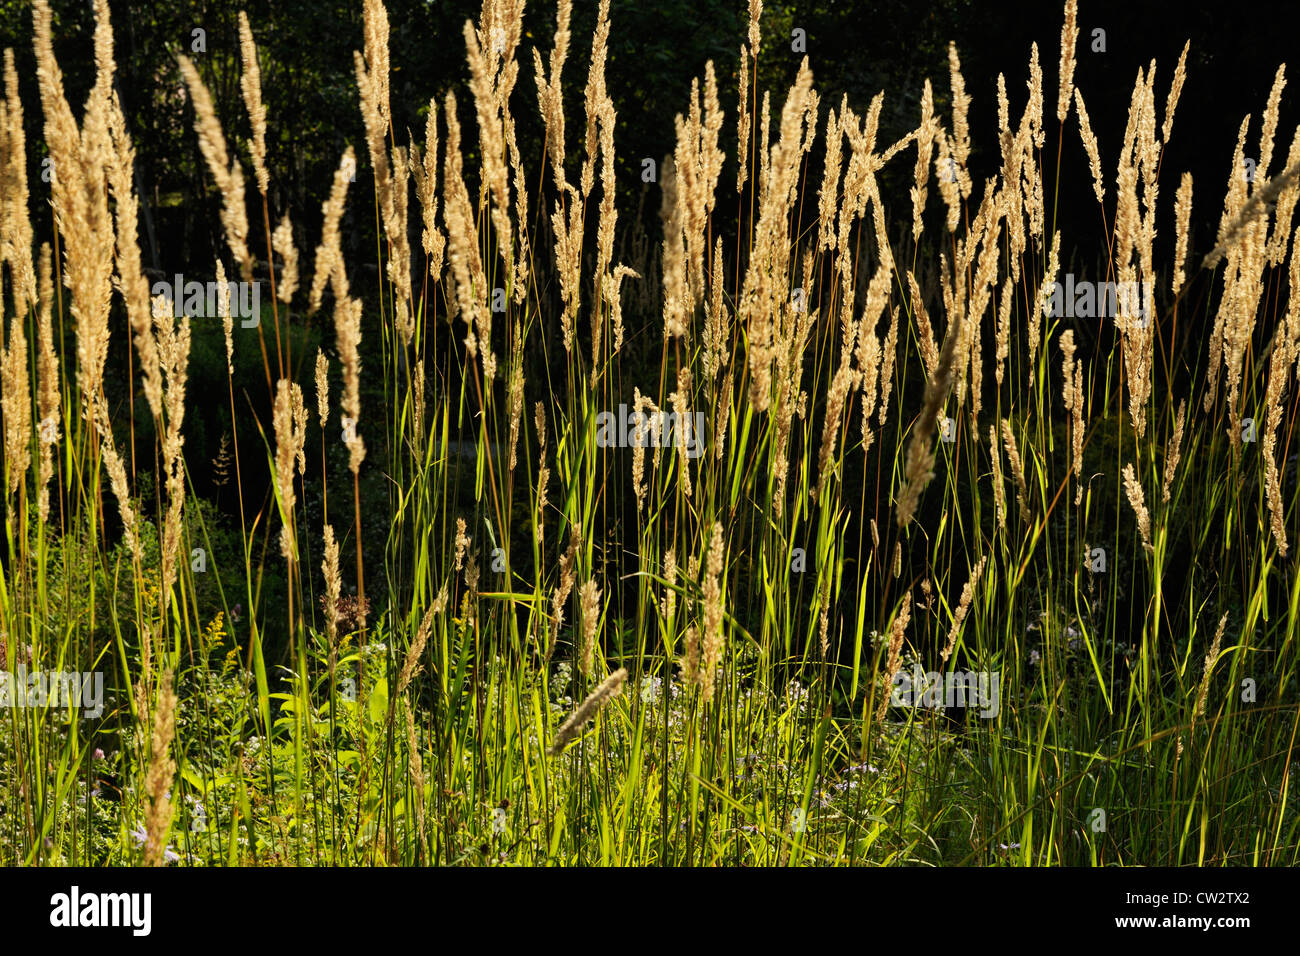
<point>752,605</point>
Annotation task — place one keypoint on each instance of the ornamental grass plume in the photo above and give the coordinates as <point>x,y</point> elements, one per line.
<point>1072,395</point>
<point>491,65</point>
<point>162,771</point>
<point>929,349</point>
<point>223,310</point>
<point>414,764</point>
<point>643,406</point>
<point>963,606</point>
<point>391,175</point>
<point>424,169</point>
<point>282,243</point>
<point>1003,335</point>
<point>79,195</point>
<point>918,468</point>
<point>960,128</point>
<point>515,390</point>
<point>131,282</point>
<point>697,164</point>
<point>329,256</point>
<point>673,257</point>
<point>15,221</point>
<point>1017,469</point>
<point>347,336</point>
<point>17,406</point>
<point>1069,38</point>
<point>754,35</point>
<point>999,489</point>
<point>462,543</point>
<point>568,261</point>
<point>925,136</point>
<point>1284,353</point>
<point>842,385</point>
<point>227,173</point>
<point>607,690</point>
<point>589,601</point>
<point>720,419</point>
<point>1090,147</point>
<point>290,427</point>
<point>250,84</point>
<point>680,402</point>
<point>1175,90</point>
<point>1211,656</point>
<point>668,604</point>
<point>1243,242</point>
<point>945,170</point>
<point>1045,302</point>
<point>612,292</point>
<point>895,659</point>
<point>1175,450</point>
<point>1182,217</point>
<point>602,106</point>
<point>1284,210</point>
<point>329,567</point>
<point>322,387</point>
<point>329,270</point>
<point>411,664</point>
<point>1273,493</point>
<point>1250,212</point>
<point>173,344</point>
<point>418,398</point>
<point>888,357</point>
<point>765,300</point>
<point>550,93</point>
<point>543,473</point>
<point>467,273</point>
<point>594,94</point>
<point>299,409</point>
<point>828,195</point>
<point>1136,499</point>
<point>562,590</point>
<point>713,613</point>
<point>48,401</point>
<point>691,654</point>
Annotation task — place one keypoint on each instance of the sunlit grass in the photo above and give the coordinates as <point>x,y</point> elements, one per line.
<point>381,682</point>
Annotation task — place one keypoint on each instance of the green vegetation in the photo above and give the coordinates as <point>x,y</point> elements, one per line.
<point>424,606</point>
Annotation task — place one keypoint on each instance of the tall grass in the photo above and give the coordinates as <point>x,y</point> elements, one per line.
<point>577,652</point>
